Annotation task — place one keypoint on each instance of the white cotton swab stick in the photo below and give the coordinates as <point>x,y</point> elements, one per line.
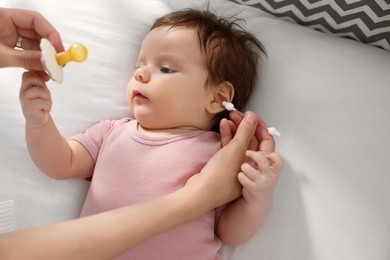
<point>230,107</point>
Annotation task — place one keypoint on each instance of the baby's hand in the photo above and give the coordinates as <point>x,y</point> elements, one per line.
<point>35,98</point>
<point>260,176</point>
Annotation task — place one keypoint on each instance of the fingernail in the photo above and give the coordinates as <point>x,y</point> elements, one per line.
<point>251,119</point>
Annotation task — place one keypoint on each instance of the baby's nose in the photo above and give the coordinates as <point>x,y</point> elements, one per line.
<point>142,75</point>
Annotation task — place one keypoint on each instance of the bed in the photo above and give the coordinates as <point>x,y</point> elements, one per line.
<point>327,94</point>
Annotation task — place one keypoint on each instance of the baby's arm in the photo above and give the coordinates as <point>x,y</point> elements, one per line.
<point>240,220</point>
<point>49,150</point>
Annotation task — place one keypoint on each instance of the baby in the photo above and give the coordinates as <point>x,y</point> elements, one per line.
<point>189,63</point>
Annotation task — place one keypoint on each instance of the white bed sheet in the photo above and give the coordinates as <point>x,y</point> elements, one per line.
<point>328,96</point>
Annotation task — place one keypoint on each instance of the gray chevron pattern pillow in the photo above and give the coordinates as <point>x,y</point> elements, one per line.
<point>367,21</point>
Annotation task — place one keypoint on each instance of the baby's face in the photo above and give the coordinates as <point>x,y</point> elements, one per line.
<point>168,88</point>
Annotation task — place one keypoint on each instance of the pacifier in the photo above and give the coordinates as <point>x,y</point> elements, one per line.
<point>54,61</point>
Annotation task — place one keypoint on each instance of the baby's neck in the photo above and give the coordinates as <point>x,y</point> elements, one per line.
<point>164,132</point>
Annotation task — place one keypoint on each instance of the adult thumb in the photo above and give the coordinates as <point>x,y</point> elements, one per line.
<point>245,131</point>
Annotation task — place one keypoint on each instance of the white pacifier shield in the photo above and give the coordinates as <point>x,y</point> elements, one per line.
<point>49,61</point>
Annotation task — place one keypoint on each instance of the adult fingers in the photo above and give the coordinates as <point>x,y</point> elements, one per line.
<point>28,59</point>
<point>224,130</point>
<point>265,141</point>
<point>245,131</point>
<point>29,43</point>
<point>227,129</point>
<point>32,20</point>
<point>236,117</point>
<point>219,175</point>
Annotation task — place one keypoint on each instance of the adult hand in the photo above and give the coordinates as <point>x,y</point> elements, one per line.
<point>261,141</point>
<point>218,178</point>
<point>263,167</point>
<point>24,28</point>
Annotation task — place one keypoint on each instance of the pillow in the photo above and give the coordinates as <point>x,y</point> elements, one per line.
<point>327,95</point>
<point>365,21</point>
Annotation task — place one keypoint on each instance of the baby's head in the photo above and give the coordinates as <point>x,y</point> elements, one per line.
<point>229,51</point>
<point>226,53</point>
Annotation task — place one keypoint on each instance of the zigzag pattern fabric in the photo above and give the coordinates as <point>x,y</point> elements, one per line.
<point>367,21</point>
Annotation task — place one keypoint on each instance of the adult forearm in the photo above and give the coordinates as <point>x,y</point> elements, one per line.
<point>105,235</point>
<point>111,233</point>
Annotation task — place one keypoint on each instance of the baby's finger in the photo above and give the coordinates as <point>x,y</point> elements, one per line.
<point>277,162</point>
<point>250,172</point>
<point>244,180</point>
<point>261,162</point>
<point>30,78</point>
<point>38,92</point>
<point>43,75</point>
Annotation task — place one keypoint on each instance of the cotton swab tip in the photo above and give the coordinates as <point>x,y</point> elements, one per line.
<point>228,106</point>
<point>273,131</point>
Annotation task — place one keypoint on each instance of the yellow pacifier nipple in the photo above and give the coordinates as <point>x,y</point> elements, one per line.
<point>77,52</point>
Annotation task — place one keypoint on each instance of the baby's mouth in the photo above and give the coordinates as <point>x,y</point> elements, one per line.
<point>138,96</point>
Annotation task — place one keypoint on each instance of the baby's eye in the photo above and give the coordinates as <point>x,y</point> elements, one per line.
<point>166,70</point>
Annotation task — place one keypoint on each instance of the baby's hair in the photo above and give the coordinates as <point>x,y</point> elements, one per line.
<point>230,51</point>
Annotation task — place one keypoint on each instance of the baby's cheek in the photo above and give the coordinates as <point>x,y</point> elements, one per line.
<point>129,90</point>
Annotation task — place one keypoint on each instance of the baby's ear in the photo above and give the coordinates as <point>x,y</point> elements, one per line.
<point>223,91</point>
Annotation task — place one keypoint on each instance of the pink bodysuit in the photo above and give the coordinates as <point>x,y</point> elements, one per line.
<point>132,168</point>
